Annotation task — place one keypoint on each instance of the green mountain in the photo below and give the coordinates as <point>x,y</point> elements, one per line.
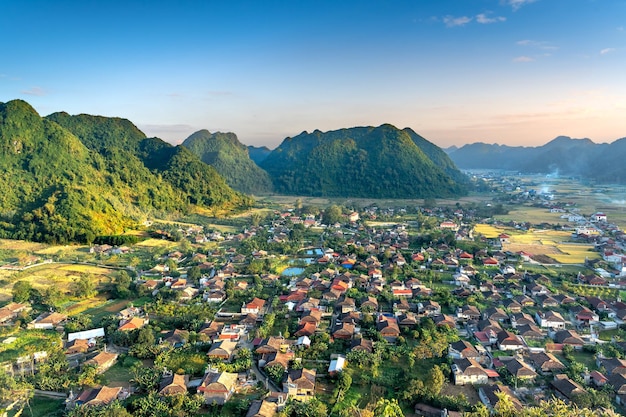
<point>231,159</point>
<point>379,162</point>
<point>70,178</point>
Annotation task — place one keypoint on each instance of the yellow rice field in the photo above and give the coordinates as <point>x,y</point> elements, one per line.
<point>553,243</point>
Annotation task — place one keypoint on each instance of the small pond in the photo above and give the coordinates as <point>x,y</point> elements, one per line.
<point>292,271</point>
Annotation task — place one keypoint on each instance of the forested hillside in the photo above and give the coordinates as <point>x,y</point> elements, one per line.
<point>72,178</point>
<point>231,159</point>
<point>378,162</point>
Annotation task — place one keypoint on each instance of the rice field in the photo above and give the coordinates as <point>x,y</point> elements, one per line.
<point>156,243</point>
<point>489,231</point>
<point>553,243</point>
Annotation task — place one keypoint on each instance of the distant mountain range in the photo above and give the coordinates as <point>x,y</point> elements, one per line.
<point>71,178</point>
<point>563,155</point>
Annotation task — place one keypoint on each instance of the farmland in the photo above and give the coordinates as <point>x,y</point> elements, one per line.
<point>556,244</point>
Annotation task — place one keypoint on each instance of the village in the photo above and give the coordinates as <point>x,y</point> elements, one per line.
<point>322,312</point>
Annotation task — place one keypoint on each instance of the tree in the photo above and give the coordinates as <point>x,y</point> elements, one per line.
<point>21,291</point>
<point>387,408</point>
<point>275,372</point>
<point>146,378</point>
<point>332,215</point>
<point>434,381</point>
<point>83,287</point>
<point>14,394</point>
<point>194,274</point>
<point>121,284</point>
<point>311,408</point>
<point>89,376</point>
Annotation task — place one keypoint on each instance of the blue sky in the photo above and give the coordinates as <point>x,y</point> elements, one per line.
<point>519,72</point>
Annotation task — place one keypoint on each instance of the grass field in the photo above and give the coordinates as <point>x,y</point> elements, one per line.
<point>59,275</point>
<point>44,407</point>
<point>107,307</point>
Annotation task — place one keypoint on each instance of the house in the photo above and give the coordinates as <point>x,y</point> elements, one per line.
<point>48,321</point>
<point>490,396</point>
<point>407,319</point>
<point>313,316</point>
<point>495,313</point>
<point>76,346</point>
<point>425,410</point>
<point>188,293</point>
<point>612,365</point>
<point>444,320</point>
<point>369,304</point>
<point>546,301</point>
<point>344,331</point>
<point>176,338</point>
<point>462,349</point>
<point>210,331</point>
<point>346,305</point>
<point>224,349</point>
<point>618,382</point>
<point>468,371</point>
<point>97,397</point>
<point>566,388</point>
<point>253,307</point>
<point>598,304</point>
<point>360,343</point>
<point>530,331</point>
<point>509,341</point>
<point>306,328</point>
<point>388,328</point>
<point>133,323</point>
<point>598,217</point>
<point>520,319</point>
<point>102,361</point>
<point>512,305</point>
<point>217,387</point>
<point>9,312</point>
<point>262,408</point>
<point>336,365</point>
<point>569,337</point>
<point>276,358</point>
<point>545,362</point>
<point>216,296</point>
<point>550,319</point>
<point>300,383</point>
<point>468,312</point>
<point>520,370</point>
<point>173,384</point>
<point>489,326</point>
<point>273,344</point>
<point>429,308</point>
<point>491,262</point>
<point>584,315</point>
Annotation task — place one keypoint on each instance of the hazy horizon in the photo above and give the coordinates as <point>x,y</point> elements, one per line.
<point>514,72</point>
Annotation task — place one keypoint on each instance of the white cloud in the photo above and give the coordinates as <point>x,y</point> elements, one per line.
<point>517,4</point>
<point>607,51</point>
<point>523,59</point>
<point>484,19</point>
<point>537,44</point>
<point>35,91</point>
<point>452,21</point>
